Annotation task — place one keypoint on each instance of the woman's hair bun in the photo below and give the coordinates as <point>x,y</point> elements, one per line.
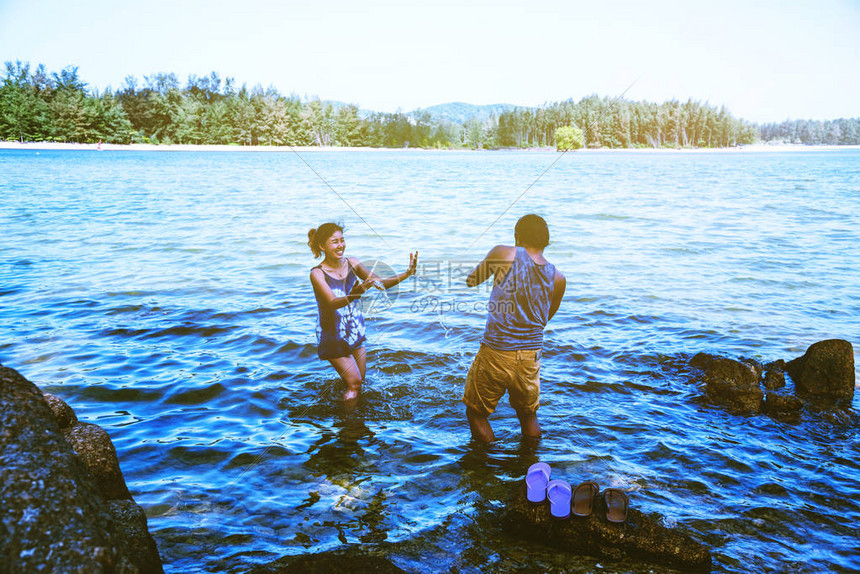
<point>316,236</point>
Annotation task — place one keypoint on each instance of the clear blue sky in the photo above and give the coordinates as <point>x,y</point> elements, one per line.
<point>766,61</point>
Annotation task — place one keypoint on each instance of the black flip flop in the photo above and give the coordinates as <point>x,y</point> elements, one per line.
<point>582,502</point>
<point>617,504</point>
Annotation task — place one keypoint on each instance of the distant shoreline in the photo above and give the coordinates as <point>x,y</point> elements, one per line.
<point>54,146</point>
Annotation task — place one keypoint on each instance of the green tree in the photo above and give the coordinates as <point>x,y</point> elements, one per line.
<point>568,138</point>
<point>24,111</point>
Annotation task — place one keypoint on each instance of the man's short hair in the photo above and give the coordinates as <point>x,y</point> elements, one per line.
<point>532,230</point>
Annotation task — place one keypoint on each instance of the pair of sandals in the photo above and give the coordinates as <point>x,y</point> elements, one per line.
<point>579,501</point>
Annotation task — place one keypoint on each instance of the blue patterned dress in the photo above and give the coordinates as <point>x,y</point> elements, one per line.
<point>339,331</point>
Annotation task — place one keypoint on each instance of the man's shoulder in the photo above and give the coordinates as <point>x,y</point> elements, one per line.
<point>503,252</point>
<point>556,271</point>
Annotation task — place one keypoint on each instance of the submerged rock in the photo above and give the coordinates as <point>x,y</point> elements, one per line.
<point>730,383</point>
<point>339,561</point>
<point>641,537</point>
<point>782,406</point>
<point>826,370</point>
<point>774,379</point>
<point>55,517</point>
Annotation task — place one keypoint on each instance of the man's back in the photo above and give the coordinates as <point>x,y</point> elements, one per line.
<point>520,302</point>
<point>527,291</point>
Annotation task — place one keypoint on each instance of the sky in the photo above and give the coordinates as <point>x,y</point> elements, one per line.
<point>765,61</point>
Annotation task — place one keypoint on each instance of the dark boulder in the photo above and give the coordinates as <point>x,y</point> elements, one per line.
<point>92,443</point>
<point>702,360</point>
<point>774,379</point>
<point>54,517</point>
<point>777,365</point>
<point>730,383</point>
<point>826,370</point>
<point>344,560</point>
<point>64,414</point>
<point>782,406</point>
<point>131,525</point>
<point>757,367</point>
<point>641,537</point>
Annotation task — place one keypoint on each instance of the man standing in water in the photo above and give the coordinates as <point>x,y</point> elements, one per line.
<point>527,291</point>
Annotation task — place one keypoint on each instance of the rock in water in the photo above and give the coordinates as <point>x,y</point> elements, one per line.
<point>774,379</point>
<point>774,376</point>
<point>782,406</point>
<point>131,521</point>
<point>54,517</point>
<point>92,443</point>
<point>730,383</point>
<point>826,370</point>
<point>640,537</point>
<point>64,414</point>
<point>343,560</point>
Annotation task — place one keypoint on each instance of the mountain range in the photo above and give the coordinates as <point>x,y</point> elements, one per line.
<point>453,112</point>
<point>459,112</point>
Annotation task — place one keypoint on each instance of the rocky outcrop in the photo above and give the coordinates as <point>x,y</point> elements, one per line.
<point>131,520</point>
<point>56,516</point>
<point>826,370</point>
<point>64,414</point>
<point>785,407</point>
<point>93,445</point>
<point>339,561</point>
<point>641,537</point>
<point>733,384</point>
<point>774,376</point>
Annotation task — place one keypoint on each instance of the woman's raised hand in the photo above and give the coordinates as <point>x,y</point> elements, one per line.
<point>413,264</point>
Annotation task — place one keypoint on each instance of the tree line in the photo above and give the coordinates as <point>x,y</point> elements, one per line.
<point>813,132</point>
<point>36,105</point>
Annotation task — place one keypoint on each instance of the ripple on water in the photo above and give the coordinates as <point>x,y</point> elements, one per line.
<point>154,311</point>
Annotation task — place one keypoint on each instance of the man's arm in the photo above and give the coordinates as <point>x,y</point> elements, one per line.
<point>498,256</point>
<point>558,287</point>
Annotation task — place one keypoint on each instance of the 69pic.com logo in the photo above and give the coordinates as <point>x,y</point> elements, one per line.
<point>378,299</point>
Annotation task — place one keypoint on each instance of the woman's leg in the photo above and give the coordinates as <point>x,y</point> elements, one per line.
<point>351,374</point>
<point>360,356</point>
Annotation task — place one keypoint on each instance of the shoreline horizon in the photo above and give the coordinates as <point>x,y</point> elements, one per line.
<point>58,146</point>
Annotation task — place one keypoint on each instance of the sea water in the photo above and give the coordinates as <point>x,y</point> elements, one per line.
<point>165,296</point>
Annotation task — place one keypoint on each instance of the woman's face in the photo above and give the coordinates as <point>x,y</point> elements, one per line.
<point>334,246</point>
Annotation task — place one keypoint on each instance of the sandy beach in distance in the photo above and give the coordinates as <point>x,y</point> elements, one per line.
<point>755,148</point>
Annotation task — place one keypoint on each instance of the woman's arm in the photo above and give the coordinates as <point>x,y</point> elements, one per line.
<point>388,282</point>
<point>324,293</point>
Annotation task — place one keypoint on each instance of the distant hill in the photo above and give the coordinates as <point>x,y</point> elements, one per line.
<point>336,105</point>
<point>454,112</point>
<point>459,112</point>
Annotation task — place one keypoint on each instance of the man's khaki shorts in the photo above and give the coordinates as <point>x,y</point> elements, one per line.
<point>494,372</point>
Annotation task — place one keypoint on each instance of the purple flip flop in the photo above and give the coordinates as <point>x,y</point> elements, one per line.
<point>537,479</point>
<point>558,492</point>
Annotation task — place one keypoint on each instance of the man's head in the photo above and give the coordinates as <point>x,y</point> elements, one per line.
<point>531,231</point>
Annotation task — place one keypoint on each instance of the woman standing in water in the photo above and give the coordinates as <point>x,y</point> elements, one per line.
<point>338,283</point>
